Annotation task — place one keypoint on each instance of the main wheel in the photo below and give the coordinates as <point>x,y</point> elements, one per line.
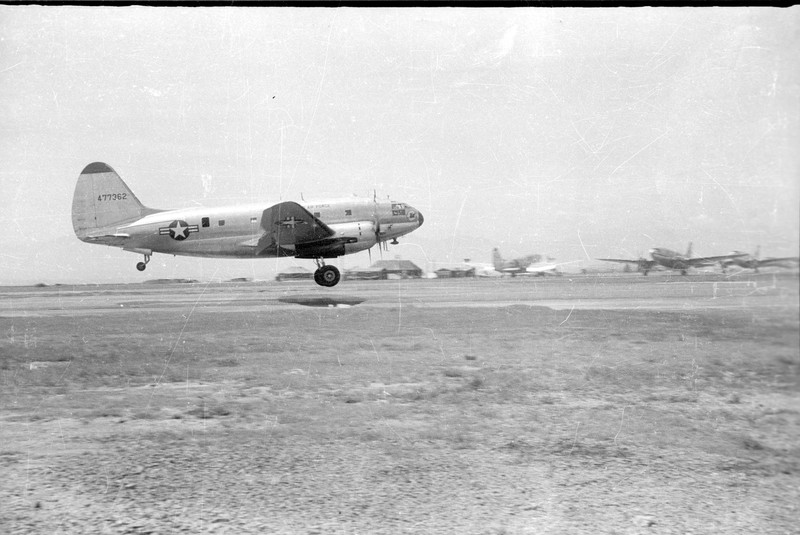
<point>327,276</point>
<point>141,266</point>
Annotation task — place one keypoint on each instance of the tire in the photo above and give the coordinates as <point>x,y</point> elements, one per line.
<point>141,266</point>
<point>327,276</point>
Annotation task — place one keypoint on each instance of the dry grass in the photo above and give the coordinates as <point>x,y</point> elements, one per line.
<point>620,402</point>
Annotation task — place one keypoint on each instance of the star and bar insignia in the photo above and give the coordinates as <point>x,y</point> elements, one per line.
<point>178,230</point>
<point>291,222</point>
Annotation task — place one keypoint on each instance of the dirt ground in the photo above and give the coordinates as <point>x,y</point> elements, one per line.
<point>584,405</point>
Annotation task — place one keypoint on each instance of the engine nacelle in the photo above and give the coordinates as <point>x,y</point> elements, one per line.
<point>363,232</point>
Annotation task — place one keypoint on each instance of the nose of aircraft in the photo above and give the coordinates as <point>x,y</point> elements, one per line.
<point>420,218</point>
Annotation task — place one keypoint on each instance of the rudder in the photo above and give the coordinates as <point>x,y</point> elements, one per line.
<point>497,260</point>
<point>103,200</point>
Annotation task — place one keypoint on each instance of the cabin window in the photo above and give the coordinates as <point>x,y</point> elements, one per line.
<point>205,222</point>
<point>221,222</point>
<point>348,212</point>
<point>254,220</point>
<point>316,214</point>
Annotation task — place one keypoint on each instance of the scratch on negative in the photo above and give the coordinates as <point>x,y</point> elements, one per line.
<point>575,439</point>
<point>635,154</point>
<point>583,247</point>
<point>458,220</point>
<point>180,336</point>
<point>568,315</point>
<point>622,420</point>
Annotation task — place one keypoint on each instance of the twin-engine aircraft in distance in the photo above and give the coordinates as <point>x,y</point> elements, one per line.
<point>525,265</point>
<point>105,211</point>
<point>517,265</point>
<point>744,260</point>
<point>673,260</point>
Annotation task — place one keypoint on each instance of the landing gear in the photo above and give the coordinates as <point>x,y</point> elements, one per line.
<point>326,275</point>
<point>142,265</point>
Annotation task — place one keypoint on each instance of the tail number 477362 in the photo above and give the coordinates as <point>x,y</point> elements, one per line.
<point>112,197</point>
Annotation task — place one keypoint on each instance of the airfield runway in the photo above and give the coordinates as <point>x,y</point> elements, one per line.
<point>577,292</point>
<point>584,404</point>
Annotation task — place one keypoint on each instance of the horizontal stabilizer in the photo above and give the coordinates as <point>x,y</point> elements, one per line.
<point>115,240</point>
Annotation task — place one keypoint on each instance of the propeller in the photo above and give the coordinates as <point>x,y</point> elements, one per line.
<point>376,224</point>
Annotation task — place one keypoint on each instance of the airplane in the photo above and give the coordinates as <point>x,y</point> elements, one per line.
<point>523,265</point>
<point>105,211</point>
<point>672,260</point>
<point>747,261</point>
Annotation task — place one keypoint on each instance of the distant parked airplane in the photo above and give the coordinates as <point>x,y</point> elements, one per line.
<point>526,265</point>
<point>105,211</point>
<point>747,261</point>
<point>672,260</point>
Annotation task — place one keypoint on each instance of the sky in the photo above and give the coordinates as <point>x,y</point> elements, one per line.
<point>570,132</point>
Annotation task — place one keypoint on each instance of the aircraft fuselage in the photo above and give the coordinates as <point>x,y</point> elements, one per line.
<point>234,231</point>
<point>669,259</point>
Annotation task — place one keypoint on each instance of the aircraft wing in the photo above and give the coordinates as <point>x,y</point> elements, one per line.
<point>286,225</point>
<point>639,262</point>
<point>541,269</point>
<point>290,224</point>
<point>544,268</point>
<point>622,260</point>
<point>773,261</point>
<point>709,260</point>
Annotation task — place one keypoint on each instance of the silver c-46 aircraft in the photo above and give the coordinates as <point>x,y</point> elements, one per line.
<point>673,260</point>
<point>105,211</point>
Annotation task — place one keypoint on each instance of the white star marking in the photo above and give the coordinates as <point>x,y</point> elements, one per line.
<point>180,230</point>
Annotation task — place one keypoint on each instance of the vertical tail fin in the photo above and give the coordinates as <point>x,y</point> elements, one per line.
<point>758,252</point>
<point>689,251</point>
<point>103,200</point>
<point>497,260</point>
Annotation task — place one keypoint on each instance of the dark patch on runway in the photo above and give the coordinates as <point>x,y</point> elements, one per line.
<point>317,301</point>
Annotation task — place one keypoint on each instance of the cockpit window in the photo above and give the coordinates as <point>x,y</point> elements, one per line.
<point>398,208</point>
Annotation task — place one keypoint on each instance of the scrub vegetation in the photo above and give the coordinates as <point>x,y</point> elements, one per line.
<point>219,417</point>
